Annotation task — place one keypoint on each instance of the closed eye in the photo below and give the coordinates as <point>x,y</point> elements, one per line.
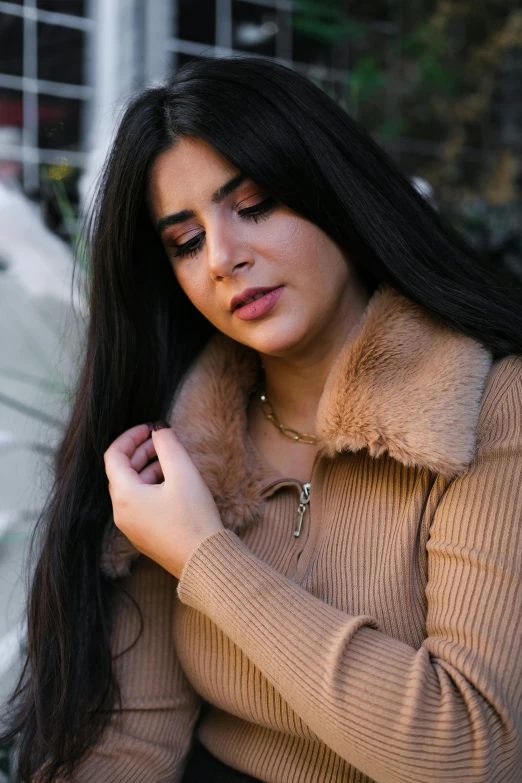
<point>256,213</point>
<point>189,248</point>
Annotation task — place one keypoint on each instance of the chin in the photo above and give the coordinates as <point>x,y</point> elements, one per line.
<point>275,339</point>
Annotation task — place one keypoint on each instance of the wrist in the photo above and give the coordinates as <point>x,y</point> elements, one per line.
<point>208,541</point>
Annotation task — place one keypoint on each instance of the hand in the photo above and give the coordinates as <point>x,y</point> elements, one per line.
<point>165,521</point>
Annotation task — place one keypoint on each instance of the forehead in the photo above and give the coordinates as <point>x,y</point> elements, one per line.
<point>185,175</point>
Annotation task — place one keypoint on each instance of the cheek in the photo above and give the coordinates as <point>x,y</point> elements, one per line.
<point>187,276</point>
<point>288,244</point>
<point>196,286</point>
<point>314,256</point>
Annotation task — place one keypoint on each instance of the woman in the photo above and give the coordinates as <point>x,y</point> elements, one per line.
<point>337,600</point>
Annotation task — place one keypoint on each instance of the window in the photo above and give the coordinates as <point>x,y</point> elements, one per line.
<point>59,123</point>
<point>61,53</point>
<point>74,7</point>
<point>196,21</point>
<point>11,44</point>
<point>43,85</point>
<point>11,131</point>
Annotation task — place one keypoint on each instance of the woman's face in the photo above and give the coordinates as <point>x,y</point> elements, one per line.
<point>223,235</point>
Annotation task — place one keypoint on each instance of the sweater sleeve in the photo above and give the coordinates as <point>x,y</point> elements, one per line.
<point>450,710</point>
<point>148,740</point>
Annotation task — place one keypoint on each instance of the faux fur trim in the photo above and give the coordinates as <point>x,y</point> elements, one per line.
<point>210,418</point>
<point>404,383</point>
<point>407,384</point>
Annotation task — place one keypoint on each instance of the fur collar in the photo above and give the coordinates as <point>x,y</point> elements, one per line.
<point>404,383</point>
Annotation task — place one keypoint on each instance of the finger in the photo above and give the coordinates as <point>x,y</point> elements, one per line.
<point>152,474</point>
<point>117,457</point>
<point>168,448</point>
<point>143,454</point>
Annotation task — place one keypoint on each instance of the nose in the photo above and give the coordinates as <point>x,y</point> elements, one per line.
<point>226,252</point>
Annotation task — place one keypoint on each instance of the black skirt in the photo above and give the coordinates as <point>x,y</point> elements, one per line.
<point>203,767</point>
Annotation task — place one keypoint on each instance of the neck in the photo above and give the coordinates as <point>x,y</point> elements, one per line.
<point>294,384</point>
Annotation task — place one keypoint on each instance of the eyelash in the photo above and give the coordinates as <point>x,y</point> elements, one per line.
<point>258,212</point>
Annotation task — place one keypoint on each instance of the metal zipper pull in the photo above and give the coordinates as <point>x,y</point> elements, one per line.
<point>304,500</point>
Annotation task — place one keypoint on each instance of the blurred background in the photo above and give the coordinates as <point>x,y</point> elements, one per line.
<point>438,83</point>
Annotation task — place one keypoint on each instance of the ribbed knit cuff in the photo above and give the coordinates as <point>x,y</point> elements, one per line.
<point>206,566</point>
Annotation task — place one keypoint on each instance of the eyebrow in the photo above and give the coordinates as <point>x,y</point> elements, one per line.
<point>218,196</point>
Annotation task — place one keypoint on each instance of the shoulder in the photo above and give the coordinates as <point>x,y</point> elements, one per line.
<point>480,511</point>
<point>501,409</point>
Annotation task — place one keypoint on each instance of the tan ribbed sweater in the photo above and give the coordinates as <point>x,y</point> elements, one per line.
<point>385,642</point>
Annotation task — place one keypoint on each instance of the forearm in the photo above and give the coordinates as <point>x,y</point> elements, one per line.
<point>393,712</point>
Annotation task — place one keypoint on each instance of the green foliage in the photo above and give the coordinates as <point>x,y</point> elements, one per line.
<point>325,22</point>
<point>392,127</point>
<point>428,75</point>
<point>494,229</point>
<point>367,77</point>
<point>432,71</point>
<point>54,176</point>
<point>430,48</point>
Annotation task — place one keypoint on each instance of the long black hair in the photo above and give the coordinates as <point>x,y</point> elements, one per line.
<point>297,143</point>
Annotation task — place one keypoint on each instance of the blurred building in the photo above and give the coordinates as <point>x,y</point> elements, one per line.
<point>438,84</point>
<point>65,65</point>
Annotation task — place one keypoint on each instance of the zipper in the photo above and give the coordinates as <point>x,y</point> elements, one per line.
<point>304,500</point>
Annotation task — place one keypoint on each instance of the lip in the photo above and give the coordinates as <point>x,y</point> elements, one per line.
<point>260,306</point>
<point>248,292</point>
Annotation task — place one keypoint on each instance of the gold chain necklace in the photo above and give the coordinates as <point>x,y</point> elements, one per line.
<point>302,437</point>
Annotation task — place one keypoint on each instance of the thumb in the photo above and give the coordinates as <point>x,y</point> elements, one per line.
<point>168,447</point>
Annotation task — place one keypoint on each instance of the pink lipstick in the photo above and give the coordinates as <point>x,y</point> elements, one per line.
<point>260,306</point>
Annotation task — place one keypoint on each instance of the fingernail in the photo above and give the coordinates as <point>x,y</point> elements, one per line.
<point>150,425</point>
<point>161,424</point>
